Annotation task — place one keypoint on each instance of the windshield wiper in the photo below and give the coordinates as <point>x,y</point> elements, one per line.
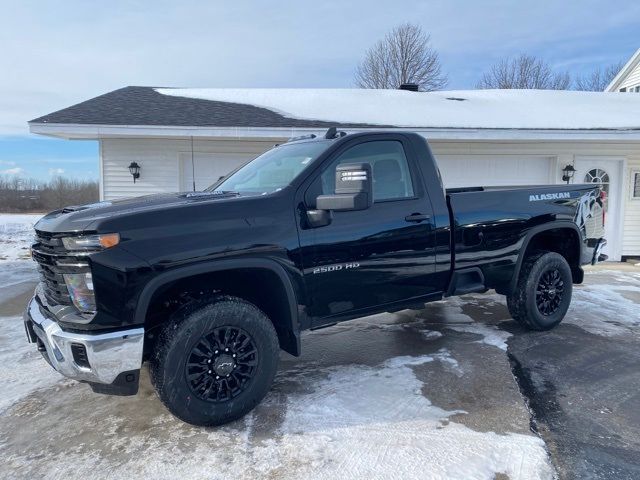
<point>213,193</point>
<point>225,192</point>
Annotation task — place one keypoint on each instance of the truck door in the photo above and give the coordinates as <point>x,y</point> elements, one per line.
<point>383,255</point>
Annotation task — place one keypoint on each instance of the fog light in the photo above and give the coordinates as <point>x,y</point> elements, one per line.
<point>80,286</point>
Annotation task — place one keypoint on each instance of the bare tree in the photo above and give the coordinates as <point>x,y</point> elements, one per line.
<point>599,79</point>
<point>25,195</point>
<point>525,72</point>
<point>404,55</point>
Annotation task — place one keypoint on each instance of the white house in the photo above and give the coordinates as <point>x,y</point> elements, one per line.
<point>479,137</point>
<point>627,79</point>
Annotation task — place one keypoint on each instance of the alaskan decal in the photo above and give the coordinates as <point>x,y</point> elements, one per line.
<point>549,196</point>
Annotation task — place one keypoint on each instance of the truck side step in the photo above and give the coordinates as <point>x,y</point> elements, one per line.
<point>468,280</point>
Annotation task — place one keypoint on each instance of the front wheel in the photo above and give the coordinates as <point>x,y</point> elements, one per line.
<point>214,363</point>
<point>543,291</point>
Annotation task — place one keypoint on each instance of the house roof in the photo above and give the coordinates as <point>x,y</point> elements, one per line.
<point>147,111</point>
<point>624,72</point>
<point>147,106</point>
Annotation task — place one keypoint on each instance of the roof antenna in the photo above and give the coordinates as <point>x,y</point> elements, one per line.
<point>331,133</point>
<point>334,133</point>
<point>193,166</point>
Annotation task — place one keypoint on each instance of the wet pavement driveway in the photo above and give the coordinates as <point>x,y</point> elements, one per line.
<point>457,390</point>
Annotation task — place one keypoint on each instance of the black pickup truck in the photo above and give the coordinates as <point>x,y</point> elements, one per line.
<point>207,287</point>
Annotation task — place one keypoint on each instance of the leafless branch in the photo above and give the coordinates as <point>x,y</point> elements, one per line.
<point>404,55</point>
<point>599,79</point>
<point>524,72</point>
<point>26,195</point>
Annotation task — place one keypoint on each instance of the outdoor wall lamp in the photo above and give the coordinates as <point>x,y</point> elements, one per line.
<point>134,170</point>
<point>568,172</point>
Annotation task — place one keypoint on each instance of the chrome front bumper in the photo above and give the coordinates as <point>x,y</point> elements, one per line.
<point>107,354</point>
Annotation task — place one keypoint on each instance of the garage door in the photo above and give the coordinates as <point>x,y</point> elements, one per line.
<point>485,170</point>
<point>208,168</point>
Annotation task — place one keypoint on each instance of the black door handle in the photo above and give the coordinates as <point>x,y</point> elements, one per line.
<point>417,217</point>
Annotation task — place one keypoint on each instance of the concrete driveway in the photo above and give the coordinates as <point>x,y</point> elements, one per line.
<point>419,394</point>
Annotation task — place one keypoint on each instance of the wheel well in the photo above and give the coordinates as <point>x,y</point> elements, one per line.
<point>260,286</point>
<point>564,241</point>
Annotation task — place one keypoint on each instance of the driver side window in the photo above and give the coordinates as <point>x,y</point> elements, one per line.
<point>391,175</point>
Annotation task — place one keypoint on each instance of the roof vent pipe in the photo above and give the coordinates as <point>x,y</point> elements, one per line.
<point>411,87</point>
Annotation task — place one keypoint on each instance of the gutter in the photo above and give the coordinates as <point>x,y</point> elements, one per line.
<point>95,132</point>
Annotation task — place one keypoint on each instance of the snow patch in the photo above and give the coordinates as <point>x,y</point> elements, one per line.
<point>491,335</point>
<point>375,422</point>
<point>24,371</point>
<point>604,310</point>
<point>461,322</point>
<point>524,109</point>
<point>16,235</point>
<point>431,334</point>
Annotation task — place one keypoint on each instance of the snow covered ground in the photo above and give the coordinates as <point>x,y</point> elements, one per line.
<point>23,370</point>
<point>608,307</point>
<point>16,234</point>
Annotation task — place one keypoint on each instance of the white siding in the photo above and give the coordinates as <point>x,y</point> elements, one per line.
<point>631,226</point>
<point>159,160</point>
<point>632,80</point>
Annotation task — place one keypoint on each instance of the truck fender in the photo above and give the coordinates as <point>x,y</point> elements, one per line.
<point>529,236</point>
<point>292,325</point>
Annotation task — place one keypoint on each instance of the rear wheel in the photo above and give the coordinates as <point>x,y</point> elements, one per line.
<point>214,363</point>
<point>543,291</point>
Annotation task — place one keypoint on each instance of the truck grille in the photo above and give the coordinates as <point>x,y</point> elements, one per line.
<point>53,261</point>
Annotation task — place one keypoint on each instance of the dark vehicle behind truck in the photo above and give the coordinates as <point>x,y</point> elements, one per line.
<point>207,287</point>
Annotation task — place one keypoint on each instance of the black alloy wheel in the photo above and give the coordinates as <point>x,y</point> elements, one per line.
<point>549,292</point>
<point>221,364</point>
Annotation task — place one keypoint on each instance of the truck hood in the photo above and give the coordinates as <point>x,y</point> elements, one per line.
<point>81,217</point>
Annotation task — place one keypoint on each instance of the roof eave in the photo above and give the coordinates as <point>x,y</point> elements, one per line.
<point>624,71</point>
<point>94,132</point>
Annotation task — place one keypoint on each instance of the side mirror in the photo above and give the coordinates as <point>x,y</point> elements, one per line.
<point>354,189</point>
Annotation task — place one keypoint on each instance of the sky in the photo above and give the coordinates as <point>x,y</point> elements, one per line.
<point>56,54</point>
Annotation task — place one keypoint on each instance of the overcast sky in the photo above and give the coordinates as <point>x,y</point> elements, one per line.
<point>55,54</point>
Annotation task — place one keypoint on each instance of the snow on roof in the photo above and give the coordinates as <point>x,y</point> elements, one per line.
<point>480,109</point>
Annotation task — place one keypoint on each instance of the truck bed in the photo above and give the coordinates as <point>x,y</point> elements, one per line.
<point>489,223</point>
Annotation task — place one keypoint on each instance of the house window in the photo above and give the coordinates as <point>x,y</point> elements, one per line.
<point>638,89</point>
<point>635,184</point>
<point>623,89</point>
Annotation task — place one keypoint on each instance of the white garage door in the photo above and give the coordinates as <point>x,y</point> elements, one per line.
<point>486,170</point>
<point>208,168</point>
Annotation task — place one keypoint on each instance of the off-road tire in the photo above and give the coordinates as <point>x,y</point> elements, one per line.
<point>527,302</point>
<point>185,332</point>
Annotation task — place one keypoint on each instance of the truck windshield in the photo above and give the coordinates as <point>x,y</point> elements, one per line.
<point>273,170</point>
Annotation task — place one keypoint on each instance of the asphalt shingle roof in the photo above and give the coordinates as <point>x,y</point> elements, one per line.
<point>145,106</point>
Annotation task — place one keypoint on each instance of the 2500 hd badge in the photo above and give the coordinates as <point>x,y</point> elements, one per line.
<point>335,268</point>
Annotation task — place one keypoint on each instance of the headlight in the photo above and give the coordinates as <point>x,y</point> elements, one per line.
<point>91,242</point>
<point>80,286</point>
